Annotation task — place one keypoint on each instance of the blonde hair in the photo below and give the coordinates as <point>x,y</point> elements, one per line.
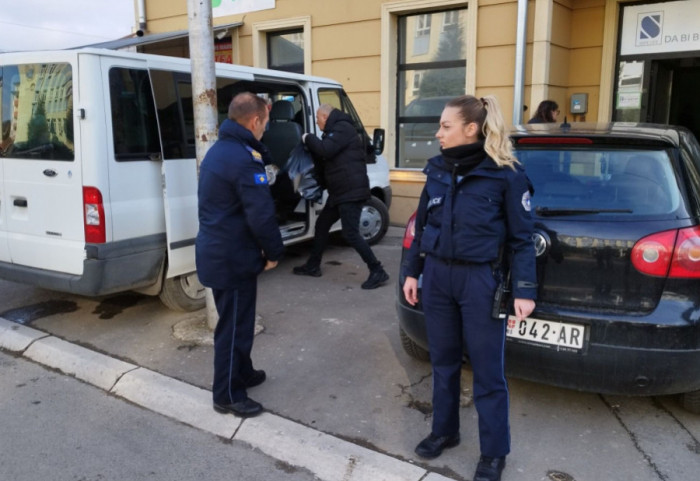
<point>486,113</point>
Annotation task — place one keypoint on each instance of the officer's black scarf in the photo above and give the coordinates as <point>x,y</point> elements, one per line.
<point>462,160</point>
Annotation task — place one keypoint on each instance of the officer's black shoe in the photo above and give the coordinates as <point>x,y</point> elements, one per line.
<point>243,409</point>
<point>255,379</point>
<point>307,270</point>
<point>432,446</point>
<point>489,469</point>
<point>376,278</point>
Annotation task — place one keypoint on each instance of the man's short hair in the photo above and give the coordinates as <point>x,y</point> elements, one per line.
<point>326,109</point>
<point>245,105</point>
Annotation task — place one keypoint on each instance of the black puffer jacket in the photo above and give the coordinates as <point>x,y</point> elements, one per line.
<point>340,160</point>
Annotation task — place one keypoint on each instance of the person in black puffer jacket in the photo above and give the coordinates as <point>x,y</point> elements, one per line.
<point>339,158</point>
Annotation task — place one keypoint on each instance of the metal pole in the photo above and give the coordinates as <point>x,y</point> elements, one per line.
<point>520,43</point>
<point>199,17</point>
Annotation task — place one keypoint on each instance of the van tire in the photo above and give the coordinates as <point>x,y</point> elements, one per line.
<point>183,293</point>
<point>411,348</point>
<point>374,220</point>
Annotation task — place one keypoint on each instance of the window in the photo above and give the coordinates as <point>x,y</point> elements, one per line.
<point>627,182</point>
<point>36,111</point>
<point>428,76</point>
<point>285,50</point>
<point>134,124</point>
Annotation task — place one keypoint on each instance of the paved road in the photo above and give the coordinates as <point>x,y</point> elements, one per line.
<point>55,427</point>
<point>335,364</point>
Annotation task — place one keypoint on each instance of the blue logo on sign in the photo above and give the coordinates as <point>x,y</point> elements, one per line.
<point>649,26</point>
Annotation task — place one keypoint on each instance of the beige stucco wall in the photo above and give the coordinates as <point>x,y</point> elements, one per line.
<point>347,41</point>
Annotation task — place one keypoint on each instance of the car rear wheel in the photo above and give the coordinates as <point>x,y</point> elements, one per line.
<point>691,401</point>
<point>413,349</point>
<point>374,220</point>
<point>183,293</point>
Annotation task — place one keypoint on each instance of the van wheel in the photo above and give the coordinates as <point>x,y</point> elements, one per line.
<point>374,220</point>
<point>183,293</point>
<point>691,401</point>
<point>411,348</point>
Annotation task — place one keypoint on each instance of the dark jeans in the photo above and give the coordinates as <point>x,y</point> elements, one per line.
<point>349,215</point>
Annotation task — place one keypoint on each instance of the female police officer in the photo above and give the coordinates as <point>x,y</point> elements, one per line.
<point>473,211</point>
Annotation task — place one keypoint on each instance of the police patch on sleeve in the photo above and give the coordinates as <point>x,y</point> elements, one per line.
<point>525,201</point>
<point>261,179</point>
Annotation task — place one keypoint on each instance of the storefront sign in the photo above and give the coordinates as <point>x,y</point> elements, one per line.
<point>661,28</point>
<point>221,8</point>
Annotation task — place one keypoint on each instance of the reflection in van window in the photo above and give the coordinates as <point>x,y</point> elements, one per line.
<point>134,123</point>
<point>36,109</point>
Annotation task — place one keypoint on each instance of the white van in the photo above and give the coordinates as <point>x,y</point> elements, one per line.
<point>98,176</point>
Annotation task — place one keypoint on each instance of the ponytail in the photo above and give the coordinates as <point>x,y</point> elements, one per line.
<point>497,144</point>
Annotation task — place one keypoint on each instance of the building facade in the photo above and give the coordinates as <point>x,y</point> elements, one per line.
<point>399,61</point>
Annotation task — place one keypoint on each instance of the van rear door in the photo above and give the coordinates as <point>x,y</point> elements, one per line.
<point>43,197</point>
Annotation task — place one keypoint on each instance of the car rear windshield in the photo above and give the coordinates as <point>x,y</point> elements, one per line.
<point>601,182</point>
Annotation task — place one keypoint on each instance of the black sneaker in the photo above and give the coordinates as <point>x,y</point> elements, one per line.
<point>375,279</point>
<point>307,270</point>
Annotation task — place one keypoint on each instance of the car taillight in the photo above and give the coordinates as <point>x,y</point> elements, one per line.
<point>673,253</point>
<point>410,232</point>
<point>686,258</point>
<point>94,216</point>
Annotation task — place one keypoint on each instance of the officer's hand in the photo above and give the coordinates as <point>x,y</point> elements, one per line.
<point>270,265</point>
<point>523,308</point>
<point>410,290</point>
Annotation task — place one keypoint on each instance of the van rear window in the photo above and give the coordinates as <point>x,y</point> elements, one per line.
<point>36,110</point>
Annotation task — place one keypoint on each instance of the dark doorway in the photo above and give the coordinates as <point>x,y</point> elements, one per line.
<point>674,97</point>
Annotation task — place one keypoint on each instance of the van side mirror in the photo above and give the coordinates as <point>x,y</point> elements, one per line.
<point>378,141</point>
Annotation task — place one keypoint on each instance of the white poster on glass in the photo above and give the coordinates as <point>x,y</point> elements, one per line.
<point>222,8</point>
<point>661,28</point>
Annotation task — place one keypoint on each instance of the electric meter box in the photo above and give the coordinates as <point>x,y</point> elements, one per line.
<point>579,103</point>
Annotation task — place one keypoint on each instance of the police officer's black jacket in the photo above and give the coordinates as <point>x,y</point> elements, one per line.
<point>237,221</point>
<point>339,157</point>
<point>468,209</point>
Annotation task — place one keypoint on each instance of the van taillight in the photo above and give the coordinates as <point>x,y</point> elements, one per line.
<point>94,216</point>
<point>673,253</point>
<point>410,232</point>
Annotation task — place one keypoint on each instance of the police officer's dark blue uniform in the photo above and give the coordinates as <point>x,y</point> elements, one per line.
<point>238,235</point>
<point>470,211</point>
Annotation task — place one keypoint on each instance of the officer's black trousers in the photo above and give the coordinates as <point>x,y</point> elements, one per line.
<point>233,341</point>
<point>349,215</point>
<point>457,301</point>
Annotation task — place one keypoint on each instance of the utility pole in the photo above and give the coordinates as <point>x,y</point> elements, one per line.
<point>199,19</point>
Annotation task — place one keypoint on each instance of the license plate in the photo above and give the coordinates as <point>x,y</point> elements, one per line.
<point>547,333</point>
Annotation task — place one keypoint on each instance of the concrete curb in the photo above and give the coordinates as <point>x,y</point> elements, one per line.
<point>327,457</point>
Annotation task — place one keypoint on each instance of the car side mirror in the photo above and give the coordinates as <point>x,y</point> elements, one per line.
<point>378,141</point>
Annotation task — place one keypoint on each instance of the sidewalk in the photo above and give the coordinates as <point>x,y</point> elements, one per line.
<point>327,457</point>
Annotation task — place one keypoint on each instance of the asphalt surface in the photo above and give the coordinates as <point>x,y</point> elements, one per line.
<point>55,427</point>
<point>343,400</point>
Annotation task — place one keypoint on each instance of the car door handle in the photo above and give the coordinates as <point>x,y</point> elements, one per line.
<point>20,202</point>
<point>50,173</point>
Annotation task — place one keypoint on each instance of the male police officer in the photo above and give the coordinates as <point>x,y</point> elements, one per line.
<point>238,238</point>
